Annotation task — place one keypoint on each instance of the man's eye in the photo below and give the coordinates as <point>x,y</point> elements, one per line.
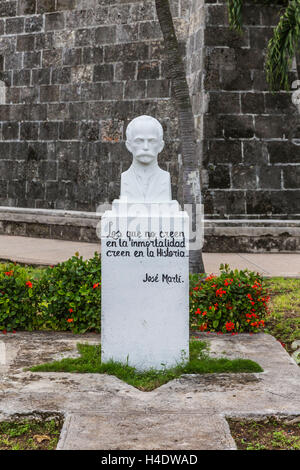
<point>138,141</point>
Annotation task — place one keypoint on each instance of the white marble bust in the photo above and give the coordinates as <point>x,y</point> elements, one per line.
<point>145,181</point>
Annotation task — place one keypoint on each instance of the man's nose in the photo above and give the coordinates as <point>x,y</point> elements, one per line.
<point>146,144</point>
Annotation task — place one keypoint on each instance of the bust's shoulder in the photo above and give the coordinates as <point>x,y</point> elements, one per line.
<point>164,173</point>
<point>126,173</point>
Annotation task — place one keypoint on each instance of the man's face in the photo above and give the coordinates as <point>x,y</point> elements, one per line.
<point>145,142</point>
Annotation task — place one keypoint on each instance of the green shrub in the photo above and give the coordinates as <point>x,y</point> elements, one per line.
<point>233,302</point>
<point>67,297</point>
<point>70,296</point>
<point>18,301</point>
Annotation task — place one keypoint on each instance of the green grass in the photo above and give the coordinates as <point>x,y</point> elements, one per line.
<point>284,320</point>
<point>269,434</point>
<point>285,296</point>
<point>199,363</point>
<point>29,435</point>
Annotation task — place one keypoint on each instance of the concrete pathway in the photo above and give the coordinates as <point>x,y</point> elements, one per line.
<point>42,251</point>
<point>101,412</point>
<point>47,252</point>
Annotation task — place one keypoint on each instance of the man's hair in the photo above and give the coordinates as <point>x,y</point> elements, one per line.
<point>151,120</point>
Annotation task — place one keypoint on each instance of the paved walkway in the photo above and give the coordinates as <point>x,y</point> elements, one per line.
<point>103,413</point>
<point>48,252</point>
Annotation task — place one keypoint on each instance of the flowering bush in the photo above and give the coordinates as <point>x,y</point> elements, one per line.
<point>17,297</point>
<point>70,296</point>
<point>63,297</point>
<point>233,302</point>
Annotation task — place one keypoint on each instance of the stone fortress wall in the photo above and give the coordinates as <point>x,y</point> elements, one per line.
<point>249,152</point>
<point>75,72</point>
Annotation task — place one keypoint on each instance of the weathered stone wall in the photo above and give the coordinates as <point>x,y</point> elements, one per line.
<point>252,165</point>
<point>76,71</point>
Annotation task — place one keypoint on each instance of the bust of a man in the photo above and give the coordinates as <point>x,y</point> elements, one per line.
<point>145,181</point>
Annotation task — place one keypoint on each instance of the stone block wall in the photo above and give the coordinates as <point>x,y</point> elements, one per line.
<point>74,72</point>
<point>251,156</point>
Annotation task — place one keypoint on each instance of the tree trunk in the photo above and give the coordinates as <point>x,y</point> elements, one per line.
<point>190,166</point>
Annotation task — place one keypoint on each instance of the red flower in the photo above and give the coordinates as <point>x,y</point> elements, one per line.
<point>4,332</point>
<point>229,326</point>
<point>9,273</point>
<point>96,285</point>
<point>70,310</point>
<point>210,277</point>
<point>220,292</point>
<point>198,312</point>
<point>29,284</point>
<point>70,320</point>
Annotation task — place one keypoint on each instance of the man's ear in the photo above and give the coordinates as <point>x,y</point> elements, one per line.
<point>161,146</point>
<point>128,146</point>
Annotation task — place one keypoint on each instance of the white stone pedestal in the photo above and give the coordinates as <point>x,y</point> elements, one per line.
<point>145,285</point>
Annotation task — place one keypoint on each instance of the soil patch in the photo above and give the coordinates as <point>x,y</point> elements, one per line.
<point>30,433</point>
<point>267,434</point>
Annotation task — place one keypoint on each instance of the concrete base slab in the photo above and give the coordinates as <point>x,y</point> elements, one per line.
<point>103,412</point>
<point>146,431</point>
